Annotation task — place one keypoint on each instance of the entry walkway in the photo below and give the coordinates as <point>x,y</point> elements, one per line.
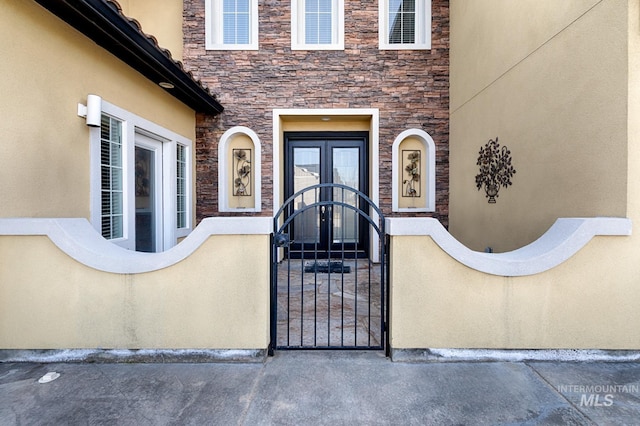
<point>332,388</point>
<point>320,309</point>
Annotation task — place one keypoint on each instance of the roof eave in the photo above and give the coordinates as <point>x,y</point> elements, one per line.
<point>103,23</point>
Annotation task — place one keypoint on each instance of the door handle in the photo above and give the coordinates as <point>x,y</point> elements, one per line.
<point>324,211</point>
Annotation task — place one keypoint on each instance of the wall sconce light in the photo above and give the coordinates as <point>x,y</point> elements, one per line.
<point>92,111</point>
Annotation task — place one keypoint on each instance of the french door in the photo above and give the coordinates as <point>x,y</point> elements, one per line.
<point>328,227</point>
<point>148,194</point>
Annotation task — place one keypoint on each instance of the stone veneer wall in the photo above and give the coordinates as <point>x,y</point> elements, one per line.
<point>409,87</point>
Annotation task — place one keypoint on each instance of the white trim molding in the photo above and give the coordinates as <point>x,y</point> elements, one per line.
<point>564,239</point>
<point>223,172</point>
<point>77,238</point>
<point>422,31</point>
<point>132,125</point>
<point>298,27</point>
<point>429,163</point>
<point>374,153</point>
<point>214,29</point>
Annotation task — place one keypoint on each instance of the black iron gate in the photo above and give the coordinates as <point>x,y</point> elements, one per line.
<point>331,296</point>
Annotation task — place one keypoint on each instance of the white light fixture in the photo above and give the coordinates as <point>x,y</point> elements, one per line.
<point>92,111</point>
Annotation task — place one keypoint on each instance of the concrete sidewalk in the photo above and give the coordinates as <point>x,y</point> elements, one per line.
<point>295,388</point>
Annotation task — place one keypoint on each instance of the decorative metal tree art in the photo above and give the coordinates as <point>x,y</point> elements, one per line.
<point>242,180</point>
<point>412,185</point>
<point>495,169</point>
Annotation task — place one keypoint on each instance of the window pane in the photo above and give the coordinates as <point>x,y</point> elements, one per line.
<point>105,153</point>
<point>111,178</point>
<point>105,127</point>
<point>306,172</point>
<point>324,28</point>
<point>402,21</point>
<point>409,6</point>
<point>311,30</point>
<point>116,227</point>
<point>181,187</point>
<point>235,22</point>
<point>311,6</point>
<point>242,29</point>
<point>242,6</point>
<point>116,202</point>
<point>229,6</point>
<point>116,155</point>
<point>318,21</point>
<point>106,226</point>
<point>395,31</point>
<point>409,29</point>
<point>324,6</point>
<point>105,204</point>
<point>229,29</point>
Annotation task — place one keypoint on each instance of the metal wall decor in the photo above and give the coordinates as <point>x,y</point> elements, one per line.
<point>242,180</point>
<point>411,165</point>
<point>495,169</point>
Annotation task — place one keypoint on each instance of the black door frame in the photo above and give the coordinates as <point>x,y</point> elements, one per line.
<point>325,141</point>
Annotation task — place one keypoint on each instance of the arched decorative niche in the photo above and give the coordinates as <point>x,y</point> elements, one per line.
<point>239,171</point>
<point>413,172</point>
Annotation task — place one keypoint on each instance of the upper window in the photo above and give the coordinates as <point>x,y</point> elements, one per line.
<point>405,24</point>
<point>317,24</point>
<point>231,24</point>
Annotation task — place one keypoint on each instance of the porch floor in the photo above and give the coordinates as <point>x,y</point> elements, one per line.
<point>320,309</point>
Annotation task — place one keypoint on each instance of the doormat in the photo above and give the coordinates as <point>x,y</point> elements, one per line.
<point>333,266</point>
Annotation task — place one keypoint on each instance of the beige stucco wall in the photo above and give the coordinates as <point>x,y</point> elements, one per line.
<point>50,301</point>
<point>588,302</point>
<point>44,148</point>
<point>162,20</point>
<point>550,80</point>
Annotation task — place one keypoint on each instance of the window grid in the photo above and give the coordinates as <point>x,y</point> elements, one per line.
<point>402,21</point>
<point>236,21</point>
<point>181,186</point>
<point>318,21</point>
<point>111,171</point>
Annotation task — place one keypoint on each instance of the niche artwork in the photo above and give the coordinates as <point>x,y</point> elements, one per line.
<point>242,167</point>
<point>411,165</point>
<point>495,169</point>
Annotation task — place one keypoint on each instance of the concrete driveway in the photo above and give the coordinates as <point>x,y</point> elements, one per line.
<point>316,388</point>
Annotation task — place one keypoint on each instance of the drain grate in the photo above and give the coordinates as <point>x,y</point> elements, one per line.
<point>333,266</point>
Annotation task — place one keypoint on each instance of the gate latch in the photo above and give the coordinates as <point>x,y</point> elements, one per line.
<point>281,239</point>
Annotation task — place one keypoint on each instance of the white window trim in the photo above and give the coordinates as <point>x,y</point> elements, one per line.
<point>213,27</point>
<point>298,25</point>
<point>429,147</point>
<point>383,29</point>
<point>132,124</point>
<point>223,174</point>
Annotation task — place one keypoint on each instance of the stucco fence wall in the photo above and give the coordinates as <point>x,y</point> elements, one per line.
<point>574,288</point>
<point>211,291</point>
<point>63,287</point>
